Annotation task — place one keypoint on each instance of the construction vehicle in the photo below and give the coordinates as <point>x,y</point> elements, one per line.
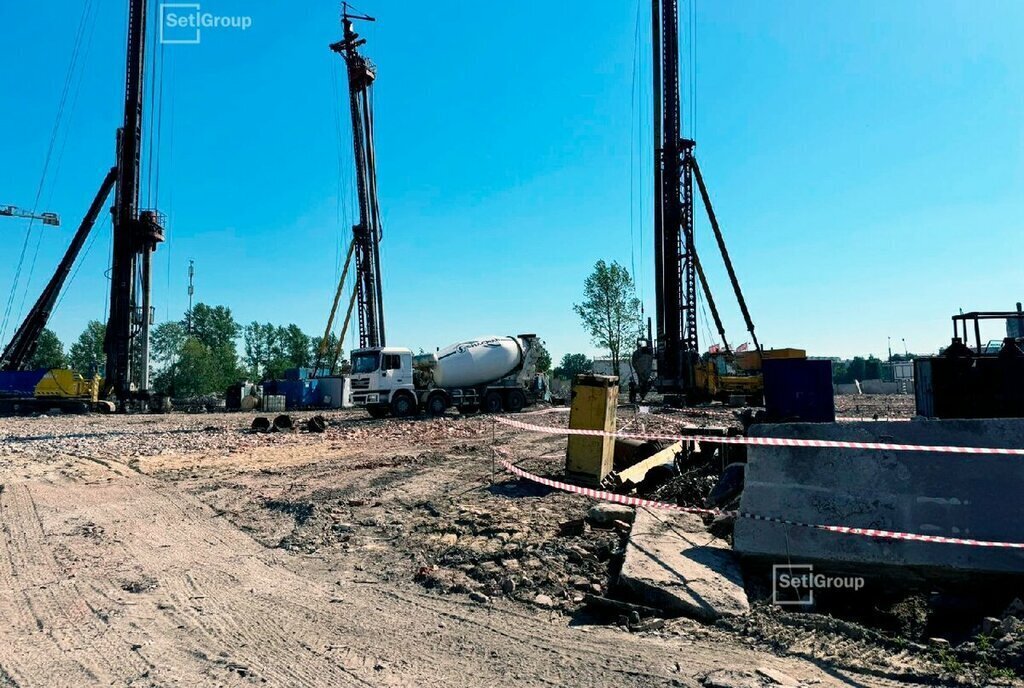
<point>491,374</point>
<point>51,219</point>
<point>46,390</point>
<point>135,236</point>
<point>672,362</point>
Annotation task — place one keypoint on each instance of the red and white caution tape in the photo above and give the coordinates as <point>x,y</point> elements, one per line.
<point>866,532</point>
<point>766,441</point>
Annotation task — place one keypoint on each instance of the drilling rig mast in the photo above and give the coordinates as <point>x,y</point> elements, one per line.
<point>367,296</point>
<point>677,267</point>
<point>136,234</point>
<point>676,346</point>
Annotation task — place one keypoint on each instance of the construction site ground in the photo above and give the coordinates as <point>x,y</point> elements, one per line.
<point>183,549</point>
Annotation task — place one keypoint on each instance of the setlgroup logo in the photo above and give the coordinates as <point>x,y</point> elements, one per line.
<point>183,23</point>
<point>794,584</point>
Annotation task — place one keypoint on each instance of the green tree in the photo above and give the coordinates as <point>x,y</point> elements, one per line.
<point>86,355</point>
<point>314,350</point>
<point>49,352</point>
<point>201,361</point>
<point>572,365</point>
<point>166,343</point>
<point>270,350</point>
<point>610,310</point>
<point>254,344</point>
<point>296,346</point>
<point>543,359</point>
<point>214,326</point>
<point>195,371</point>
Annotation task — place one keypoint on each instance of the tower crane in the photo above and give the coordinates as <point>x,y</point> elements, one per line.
<point>51,219</point>
<point>367,297</point>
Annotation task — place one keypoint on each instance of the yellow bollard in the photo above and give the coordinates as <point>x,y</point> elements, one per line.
<point>594,398</point>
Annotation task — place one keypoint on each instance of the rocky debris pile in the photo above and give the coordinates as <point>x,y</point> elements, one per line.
<point>998,641</point>
<point>872,405</point>
<point>524,553</point>
<point>416,431</point>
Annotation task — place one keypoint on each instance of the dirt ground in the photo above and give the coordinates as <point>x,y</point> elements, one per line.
<point>185,550</point>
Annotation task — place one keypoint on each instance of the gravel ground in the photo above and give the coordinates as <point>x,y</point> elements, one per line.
<point>159,550</point>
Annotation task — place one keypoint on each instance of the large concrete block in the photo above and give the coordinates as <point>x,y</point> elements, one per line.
<point>952,495</point>
<point>672,563</point>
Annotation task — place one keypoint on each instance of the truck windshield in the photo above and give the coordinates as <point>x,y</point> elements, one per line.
<point>365,362</point>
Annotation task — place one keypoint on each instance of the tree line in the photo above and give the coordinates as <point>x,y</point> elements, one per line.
<point>196,355</point>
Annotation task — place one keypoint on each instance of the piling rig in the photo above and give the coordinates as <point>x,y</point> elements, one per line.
<point>367,297</point>
<point>135,236</point>
<point>677,268</point>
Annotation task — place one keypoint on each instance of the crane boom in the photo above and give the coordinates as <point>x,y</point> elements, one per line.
<point>51,219</point>
<point>24,342</point>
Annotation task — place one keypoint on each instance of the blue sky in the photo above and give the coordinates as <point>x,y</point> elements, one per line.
<point>866,161</point>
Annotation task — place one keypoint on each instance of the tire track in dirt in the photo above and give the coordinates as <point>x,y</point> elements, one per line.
<point>75,640</point>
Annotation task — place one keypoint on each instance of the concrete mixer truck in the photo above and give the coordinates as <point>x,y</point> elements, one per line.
<point>489,374</point>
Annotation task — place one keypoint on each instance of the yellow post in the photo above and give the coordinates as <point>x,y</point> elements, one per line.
<point>594,398</point>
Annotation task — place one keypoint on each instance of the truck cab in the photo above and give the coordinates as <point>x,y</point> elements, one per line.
<point>382,381</point>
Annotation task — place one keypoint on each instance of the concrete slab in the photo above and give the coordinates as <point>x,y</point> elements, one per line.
<point>952,495</point>
<point>673,563</point>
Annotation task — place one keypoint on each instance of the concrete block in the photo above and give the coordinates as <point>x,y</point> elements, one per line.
<point>952,495</point>
<point>672,563</point>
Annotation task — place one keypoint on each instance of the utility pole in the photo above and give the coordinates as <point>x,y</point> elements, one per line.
<point>366,234</point>
<point>136,234</point>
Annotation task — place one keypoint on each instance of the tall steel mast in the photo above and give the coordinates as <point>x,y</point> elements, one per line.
<point>366,234</point>
<point>135,235</point>
<point>675,289</point>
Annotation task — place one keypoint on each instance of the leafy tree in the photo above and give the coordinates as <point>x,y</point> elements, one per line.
<point>572,365</point>
<point>332,344</point>
<point>857,368</point>
<point>543,359</point>
<point>254,343</point>
<point>86,355</point>
<point>296,346</point>
<point>214,326</point>
<point>194,373</point>
<point>49,352</point>
<point>610,310</point>
<point>270,350</point>
<point>199,361</point>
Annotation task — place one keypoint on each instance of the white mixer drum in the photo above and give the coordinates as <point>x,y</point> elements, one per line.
<point>477,361</point>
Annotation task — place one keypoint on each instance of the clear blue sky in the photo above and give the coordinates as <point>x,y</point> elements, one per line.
<point>866,161</point>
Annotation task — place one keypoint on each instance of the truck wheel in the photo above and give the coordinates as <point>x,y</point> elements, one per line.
<point>437,405</point>
<point>378,411</point>
<point>492,402</point>
<point>515,401</point>
<point>403,406</point>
